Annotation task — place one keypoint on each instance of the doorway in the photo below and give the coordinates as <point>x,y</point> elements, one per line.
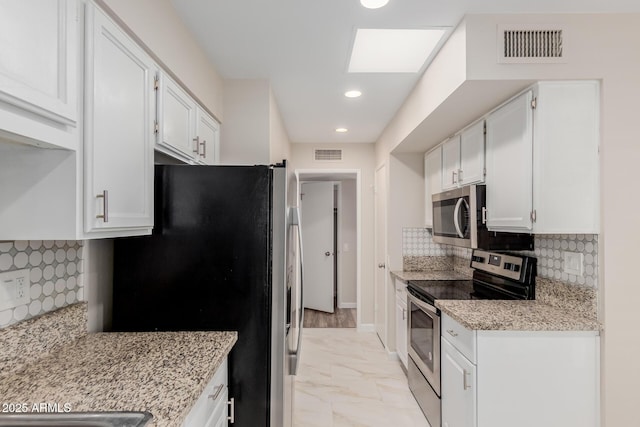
<point>329,202</point>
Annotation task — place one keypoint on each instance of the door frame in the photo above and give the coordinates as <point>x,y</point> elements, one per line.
<point>333,175</point>
<point>384,310</point>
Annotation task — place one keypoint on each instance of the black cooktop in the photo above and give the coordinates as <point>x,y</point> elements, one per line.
<point>432,290</point>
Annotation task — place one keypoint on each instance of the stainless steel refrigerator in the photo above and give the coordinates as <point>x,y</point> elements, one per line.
<point>225,254</point>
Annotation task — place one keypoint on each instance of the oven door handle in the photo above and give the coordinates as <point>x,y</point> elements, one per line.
<point>421,304</point>
<point>456,215</point>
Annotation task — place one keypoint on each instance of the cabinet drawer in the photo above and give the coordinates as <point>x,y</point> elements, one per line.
<point>213,396</point>
<point>401,288</point>
<point>460,337</point>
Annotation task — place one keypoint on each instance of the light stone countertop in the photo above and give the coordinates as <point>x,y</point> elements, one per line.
<point>430,275</point>
<point>160,372</point>
<point>515,316</point>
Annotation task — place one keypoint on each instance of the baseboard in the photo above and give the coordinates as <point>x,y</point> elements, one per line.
<point>392,355</point>
<point>348,305</point>
<point>366,327</point>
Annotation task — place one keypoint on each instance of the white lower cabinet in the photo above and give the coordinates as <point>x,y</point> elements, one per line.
<point>401,321</point>
<point>210,410</point>
<point>519,378</point>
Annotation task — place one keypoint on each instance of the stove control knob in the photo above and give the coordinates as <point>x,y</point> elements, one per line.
<point>511,267</point>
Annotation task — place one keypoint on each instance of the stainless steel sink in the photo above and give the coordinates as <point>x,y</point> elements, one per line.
<point>77,419</point>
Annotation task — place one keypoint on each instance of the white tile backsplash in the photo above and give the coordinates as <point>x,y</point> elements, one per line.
<point>548,250</point>
<point>56,274</point>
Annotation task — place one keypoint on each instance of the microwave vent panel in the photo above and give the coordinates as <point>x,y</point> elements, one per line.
<point>324,155</point>
<point>531,44</point>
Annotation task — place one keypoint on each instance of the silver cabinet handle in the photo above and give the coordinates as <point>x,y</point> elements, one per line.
<point>105,205</point>
<point>197,142</point>
<point>453,177</point>
<point>215,395</point>
<point>381,265</point>
<point>232,410</point>
<point>484,215</point>
<point>459,175</point>
<point>203,144</point>
<point>404,314</point>
<point>452,332</point>
<point>465,385</point>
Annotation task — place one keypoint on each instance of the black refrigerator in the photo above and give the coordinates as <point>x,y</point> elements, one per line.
<point>224,255</point>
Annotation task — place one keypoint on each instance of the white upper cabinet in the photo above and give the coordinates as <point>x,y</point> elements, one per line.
<point>186,131</point>
<point>450,162</point>
<point>463,158</point>
<point>509,165</point>
<point>119,128</point>
<point>543,161</point>
<point>177,123</point>
<point>39,72</point>
<point>208,138</point>
<point>432,182</point>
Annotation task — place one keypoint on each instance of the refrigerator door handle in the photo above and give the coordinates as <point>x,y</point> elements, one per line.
<point>294,356</point>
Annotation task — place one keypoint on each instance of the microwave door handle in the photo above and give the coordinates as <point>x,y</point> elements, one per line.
<point>456,215</point>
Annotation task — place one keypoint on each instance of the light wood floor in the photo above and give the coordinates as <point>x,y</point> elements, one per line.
<point>342,318</point>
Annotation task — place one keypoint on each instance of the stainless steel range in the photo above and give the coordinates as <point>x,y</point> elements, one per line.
<point>495,276</point>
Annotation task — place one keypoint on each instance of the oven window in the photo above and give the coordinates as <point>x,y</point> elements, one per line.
<point>421,335</point>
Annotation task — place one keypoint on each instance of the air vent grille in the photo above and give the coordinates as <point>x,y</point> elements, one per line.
<point>531,45</point>
<point>324,155</point>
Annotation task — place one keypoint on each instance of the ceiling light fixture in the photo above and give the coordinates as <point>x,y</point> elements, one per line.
<point>393,50</point>
<point>373,4</point>
<point>341,130</point>
<point>352,93</point>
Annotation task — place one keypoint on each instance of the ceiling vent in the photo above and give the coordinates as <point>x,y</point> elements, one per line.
<point>323,155</point>
<point>531,44</point>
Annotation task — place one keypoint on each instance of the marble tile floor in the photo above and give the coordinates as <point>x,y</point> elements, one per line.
<point>346,379</point>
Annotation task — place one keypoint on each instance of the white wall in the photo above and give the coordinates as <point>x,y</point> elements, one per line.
<point>347,235</point>
<point>158,26</point>
<point>598,47</point>
<point>98,277</point>
<point>244,138</point>
<point>279,144</point>
<point>362,157</point>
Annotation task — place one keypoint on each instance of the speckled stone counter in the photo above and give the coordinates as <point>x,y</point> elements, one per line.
<point>431,275</point>
<point>160,372</point>
<point>515,316</point>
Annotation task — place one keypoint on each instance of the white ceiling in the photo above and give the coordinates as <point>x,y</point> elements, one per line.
<point>302,47</point>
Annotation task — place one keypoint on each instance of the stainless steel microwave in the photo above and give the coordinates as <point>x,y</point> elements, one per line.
<point>459,219</point>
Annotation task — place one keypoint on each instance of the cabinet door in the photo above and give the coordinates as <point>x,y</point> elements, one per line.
<point>451,163</point>
<point>120,112</point>
<point>459,400</point>
<point>472,155</point>
<point>38,69</point>
<point>401,328</point>
<point>208,138</point>
<point>432,182</point>
<point>509,166</point>
<point>178,120</point>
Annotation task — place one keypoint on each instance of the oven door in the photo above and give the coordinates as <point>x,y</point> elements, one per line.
<point>453,217</point>
<point>424,339</point>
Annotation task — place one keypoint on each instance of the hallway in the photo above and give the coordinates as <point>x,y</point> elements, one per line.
<point>346,380</point>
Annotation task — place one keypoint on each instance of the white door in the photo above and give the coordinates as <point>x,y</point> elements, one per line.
<point>208,132</point>
<point>381,250</point>
<point>178,119</point>
<point>451,163</point>
<point>459,407</point>
<point>472,154</point>
<point>317,236</point>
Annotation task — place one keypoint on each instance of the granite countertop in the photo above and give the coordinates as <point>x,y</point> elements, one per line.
<point>430,275</point>
<point>160,372</point>
<point>515,316</point>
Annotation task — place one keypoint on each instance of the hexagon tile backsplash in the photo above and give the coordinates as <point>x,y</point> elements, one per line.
<point>549,250</point>
<point>56,275</point>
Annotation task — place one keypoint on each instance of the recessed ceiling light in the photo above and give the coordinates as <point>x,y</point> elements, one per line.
<point>392,51</point>
<point>373,4</point>
<point>352,93</point>
<point>341,130</point>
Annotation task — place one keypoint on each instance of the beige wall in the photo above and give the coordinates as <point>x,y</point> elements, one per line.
<point>157,25</point>
<point>361,157</point>
<point>348,236</point>
<point>598,47</point>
